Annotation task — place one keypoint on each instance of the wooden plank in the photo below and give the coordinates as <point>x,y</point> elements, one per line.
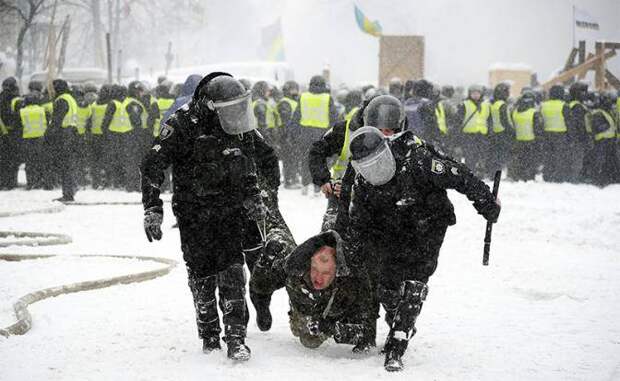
<point>582,51</point>
<point>589,64</point>
<point>612,80</point>
<point>599,68</point>
<point>570,61</point>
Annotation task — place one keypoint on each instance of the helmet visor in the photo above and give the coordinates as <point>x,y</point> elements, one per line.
<point>236,116</point>
<point>377,168</point>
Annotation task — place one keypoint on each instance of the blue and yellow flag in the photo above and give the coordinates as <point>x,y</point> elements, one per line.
<point>371,27</point>
<point>272,42</point>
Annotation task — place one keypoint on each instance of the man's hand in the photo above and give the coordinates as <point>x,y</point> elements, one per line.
<point>255,208</point>
<point>153,217</point>
<point>337,189</point>
<point>327,189</point>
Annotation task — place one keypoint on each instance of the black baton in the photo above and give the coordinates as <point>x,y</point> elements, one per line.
<point>487,236</point>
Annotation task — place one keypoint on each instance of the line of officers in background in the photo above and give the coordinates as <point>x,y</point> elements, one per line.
<point>84,135</point>
<point>81,135</point>
<point>568,135</point>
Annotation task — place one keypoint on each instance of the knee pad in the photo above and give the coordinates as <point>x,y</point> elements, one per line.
<point>413,293</point>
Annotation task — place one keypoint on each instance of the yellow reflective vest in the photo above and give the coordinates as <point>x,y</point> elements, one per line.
<point>496,117</point>
<point>440,113</point>
<point>293,103</point>
<point>34,122</point>
<point>270,113</point>
<point>83,114</point>
<point>97,115</point>
<point>314,110</point>
<point>609,133</point>
<point>164,105</point>
<point>71,117</point>
<point>340,166</point>
<point>588,125</point>
<point>3,129</point>
<point>120,123</point>
<point>524,124</point>
<point>553,116</point>
<point>476,120</point>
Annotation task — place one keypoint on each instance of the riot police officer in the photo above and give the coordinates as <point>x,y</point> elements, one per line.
<point>398,217</point>
<point>213,148</point>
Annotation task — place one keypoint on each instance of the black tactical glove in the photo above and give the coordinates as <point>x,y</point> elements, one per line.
<point>490,210</point>
<point>255,208</point>
<point>153,217</point>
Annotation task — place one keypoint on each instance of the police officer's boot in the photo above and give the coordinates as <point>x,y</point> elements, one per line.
<point>412,295</point>
<point>207,319</point>
<point>263,315</point>
<point>231,283</point>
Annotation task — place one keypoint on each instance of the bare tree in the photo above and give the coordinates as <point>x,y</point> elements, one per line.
<point>27,11</point>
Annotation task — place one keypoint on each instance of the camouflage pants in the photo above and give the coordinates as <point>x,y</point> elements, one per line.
<point>299,325</point>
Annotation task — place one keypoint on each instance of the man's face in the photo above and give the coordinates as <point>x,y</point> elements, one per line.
<point>323,267</point>
<point>387,131</point>
<point>475,95</point>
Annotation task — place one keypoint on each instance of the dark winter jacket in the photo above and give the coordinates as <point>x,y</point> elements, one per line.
<point>329,145</point>
<point>421,118</point>
<point>415,199</point>
<point>210,168</point>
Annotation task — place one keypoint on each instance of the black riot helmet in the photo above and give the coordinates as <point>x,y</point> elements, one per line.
<point>557,92</point>
<point>105,94</point>
<point>501,92</point>
<point>607,100</point>
<point>290,89</point>
<point>10,84</point>
<point>260,90</point>
<point>225,97</point>
<point>135,89</point>
<point>385,112</point>
<point>60,86</point>
<point>35,86</point>
<point>578,91</point>
<point>371,155</point>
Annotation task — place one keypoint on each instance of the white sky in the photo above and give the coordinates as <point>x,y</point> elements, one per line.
<point>463,38</point>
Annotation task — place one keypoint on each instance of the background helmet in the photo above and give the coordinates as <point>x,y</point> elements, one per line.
<point>385,111</point>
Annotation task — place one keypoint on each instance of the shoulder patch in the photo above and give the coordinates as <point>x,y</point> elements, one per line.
<point>165,131</point>
<point>437,167</point>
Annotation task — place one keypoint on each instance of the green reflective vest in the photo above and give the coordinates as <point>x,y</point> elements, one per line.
<point>587,122</point>
<point>496,118</point>
<point>120,123</point>
<point>71,117</point>
<point>97,115</point>
<point>440,113</point>
<point>143,115</point>
<point>553,116</point>
<point>3,129</point>
<point>14,103</point>
<point>164,105</point>
<point>292,103</point>
<point>49,107</point>
<point>340,166</point>
<point>83,114</point>
<point>524,124</point>
<point>270,113</point>
<point>476,120</point>
<point>314,110</point>
<point>34,122</point>
<point>609,133</point>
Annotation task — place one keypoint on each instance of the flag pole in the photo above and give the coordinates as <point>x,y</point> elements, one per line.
<point>574,21</point>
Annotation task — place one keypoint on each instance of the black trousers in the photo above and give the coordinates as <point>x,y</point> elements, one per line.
<point>211,244</point>
<point>391,262</point>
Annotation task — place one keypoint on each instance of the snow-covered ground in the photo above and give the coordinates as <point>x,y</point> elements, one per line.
<point>547,307</point>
